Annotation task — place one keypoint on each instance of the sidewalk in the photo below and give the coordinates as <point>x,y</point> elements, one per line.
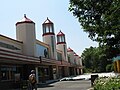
<point>41,84</point>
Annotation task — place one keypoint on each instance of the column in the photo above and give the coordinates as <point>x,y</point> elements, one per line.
<point>36,70</point>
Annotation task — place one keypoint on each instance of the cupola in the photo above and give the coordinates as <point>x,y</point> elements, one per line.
<point>48,27</point>
<point>61,38</point>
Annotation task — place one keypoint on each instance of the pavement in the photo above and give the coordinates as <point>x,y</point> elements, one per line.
<point>49,82</point>
<point>68,85</point>
<point>39,85</point>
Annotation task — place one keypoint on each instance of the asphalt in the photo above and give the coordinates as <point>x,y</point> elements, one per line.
<point>47,83</point>
<point>53,81</point>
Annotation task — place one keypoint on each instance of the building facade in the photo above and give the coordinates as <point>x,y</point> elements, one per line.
<point>50,58</point>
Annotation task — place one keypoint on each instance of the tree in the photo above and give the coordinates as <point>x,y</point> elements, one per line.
<point>101,19</point>
<point>94,59</point>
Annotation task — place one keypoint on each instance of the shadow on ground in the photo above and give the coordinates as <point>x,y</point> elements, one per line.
<point>44,85</point>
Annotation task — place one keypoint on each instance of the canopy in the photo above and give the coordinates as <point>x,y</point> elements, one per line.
<point>116,58</point>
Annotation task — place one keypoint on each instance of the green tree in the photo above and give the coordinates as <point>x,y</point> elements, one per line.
<point>94,59</point>
<point>101,19</point>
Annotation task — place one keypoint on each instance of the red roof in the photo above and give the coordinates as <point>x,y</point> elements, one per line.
<point>48,21</point>
<point>60,34</point>
<point>25,20</point>
<point>75,54</point>
<point>69,50</point>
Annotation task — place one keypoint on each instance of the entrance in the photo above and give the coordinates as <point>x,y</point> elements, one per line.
<point>43,74</point>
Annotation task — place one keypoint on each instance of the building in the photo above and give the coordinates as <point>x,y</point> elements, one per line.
<point>50,59</point>
<point>116,63</point>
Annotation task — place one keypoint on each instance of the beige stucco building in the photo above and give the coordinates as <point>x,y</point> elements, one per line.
<point>50,58</point>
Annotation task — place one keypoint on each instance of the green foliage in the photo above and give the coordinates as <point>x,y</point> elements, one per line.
<point>101,19</point>
<point>107,83</point>
<point>109,67</point>
<point>95,59</point>
<point>87,70</point>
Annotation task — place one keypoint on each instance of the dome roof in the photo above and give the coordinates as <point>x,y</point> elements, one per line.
<point>69,50</point>
<point>60,34</point>
<point>24,20</point>
<point>47,21</point>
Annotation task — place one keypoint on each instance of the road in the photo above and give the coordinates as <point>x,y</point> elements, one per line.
<point>67,85</point>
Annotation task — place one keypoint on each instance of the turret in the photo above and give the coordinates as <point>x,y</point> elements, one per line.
<point>70,55</point>
<point>61,45</point>
<point>80,61</point>
<point>49,37</point>
<point>25,32</point>
<point>76,59</point>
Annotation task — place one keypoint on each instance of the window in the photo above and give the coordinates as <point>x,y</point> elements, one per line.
<point>59,55</point>
<point>44,29</point>
<point>8,72</point>
<point>42,51</point>
<point>61,39</point>
<point>47,29</point>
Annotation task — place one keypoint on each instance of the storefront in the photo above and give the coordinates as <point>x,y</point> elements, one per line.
<point>43,74</point>
<point>15,68</point>
<point>10,72</point>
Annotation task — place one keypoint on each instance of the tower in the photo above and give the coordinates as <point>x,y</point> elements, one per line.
<point>76,59</point>
<point>25,32</point>
<point>70,55</point>
<point>61,45</point>
<point>49,37</point>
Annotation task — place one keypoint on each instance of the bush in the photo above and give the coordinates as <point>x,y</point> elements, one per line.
<point>107,83</point>
<point>109,68</point>
<point>87,70</point>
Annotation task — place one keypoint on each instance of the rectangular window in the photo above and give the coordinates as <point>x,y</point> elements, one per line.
<point>59,55</point>
<point>8,72</point>
<point>42,51</point>
<point>47,29</point>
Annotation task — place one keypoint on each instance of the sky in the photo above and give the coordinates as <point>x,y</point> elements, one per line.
<point>12,11</point>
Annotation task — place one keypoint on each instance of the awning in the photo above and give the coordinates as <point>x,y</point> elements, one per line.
<point>116,58</point>
<point>17,58</point>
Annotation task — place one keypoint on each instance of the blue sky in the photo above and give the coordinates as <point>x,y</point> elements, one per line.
<point>12,11</point>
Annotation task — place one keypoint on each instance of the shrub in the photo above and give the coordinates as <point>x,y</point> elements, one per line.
<point>109,68</point>
<point>107,83</point>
